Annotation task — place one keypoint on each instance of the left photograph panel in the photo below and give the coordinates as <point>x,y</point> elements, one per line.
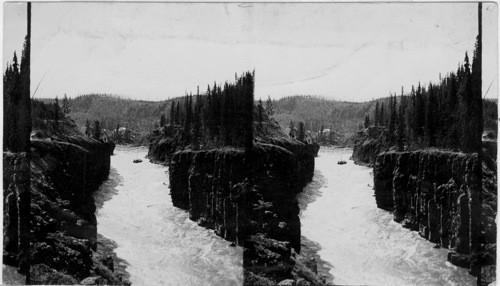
<point>51,171</point>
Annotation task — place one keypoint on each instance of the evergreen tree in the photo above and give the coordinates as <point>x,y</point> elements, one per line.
<point>476,102</point>
<point>367,121</point>
<point>97,130</point>
<point>178,114</point>
<point>301,132</point>
<point>12,97</point>
<point>56,112</point>
<point>376,115</point>
<point>392,118</point>
<point>187,121</point>
<point>465,109</point>
<point>65,106</point>
<point>172,113</point>
<point>162,120</point>
<point>401,122</point>
<point>259,114</point>
<point>401,128</point>
<point>381,120</point>
<point>197,122</point>
<point>87,128</point>
<point>269,107</point>
<point>292,129</point>
<point>419,112</point>
<point>430,118</point>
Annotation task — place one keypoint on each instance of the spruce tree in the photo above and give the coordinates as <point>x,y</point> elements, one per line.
<point>301,132</point>
<point>430,118</point>
<point>382,115</point>
<point>12,95</point>
<point>465,109</point>
<point>392,118</point>
<point>476,102</point>
<point>177,114</point>
<point>172,113</point>
<point>187,120</point>
<point>259,114</point>
<point>87,128</point>
<point>197,123</point>
<point>292,129</point>
<point>420,112</point>
<point>162,120</point>
<point>376,115</point>
<point>65,106</point>
<point>56,112</point>
<point>97,130</point>
<point>401,128</point>
<point>269,107</point>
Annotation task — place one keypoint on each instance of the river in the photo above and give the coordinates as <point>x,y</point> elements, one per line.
<point>361,243</point>
<point>158,242</point>
<point>357,242</point>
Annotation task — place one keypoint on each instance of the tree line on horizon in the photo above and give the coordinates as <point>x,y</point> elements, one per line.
<point>15,81</point>
<point>222,116</point>
<point>446,115</point>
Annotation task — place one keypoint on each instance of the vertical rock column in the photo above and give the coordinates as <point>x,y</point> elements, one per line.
<point>383,173</point>
<point>21,180</point>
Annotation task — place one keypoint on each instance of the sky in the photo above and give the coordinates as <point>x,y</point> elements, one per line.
<point>155,51</point>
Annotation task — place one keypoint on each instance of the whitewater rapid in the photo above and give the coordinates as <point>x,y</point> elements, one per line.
<point>158,242</point>
<point>361,243</point>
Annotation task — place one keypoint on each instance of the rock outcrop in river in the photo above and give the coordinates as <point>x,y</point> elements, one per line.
<point>64,172</point>
<point>250,201</point>
<point>439,194</point>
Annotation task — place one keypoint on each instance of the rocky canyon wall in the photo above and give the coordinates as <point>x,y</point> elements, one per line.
<point>449,198</point>
<point>63,176</point>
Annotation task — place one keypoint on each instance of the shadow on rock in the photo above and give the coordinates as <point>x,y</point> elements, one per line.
<point>108,189</point>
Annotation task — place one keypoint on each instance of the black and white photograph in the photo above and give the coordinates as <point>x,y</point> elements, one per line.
<point>250,143</point>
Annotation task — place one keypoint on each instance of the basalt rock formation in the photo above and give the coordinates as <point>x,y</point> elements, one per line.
<point>368,144</point>
<point>249,200</point>
<point>64,172</point>
<point>440,194</point>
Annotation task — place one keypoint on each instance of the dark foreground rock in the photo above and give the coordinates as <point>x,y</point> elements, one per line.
<point>249,200</point>
<point>64,172</point>
<point>440,195</point>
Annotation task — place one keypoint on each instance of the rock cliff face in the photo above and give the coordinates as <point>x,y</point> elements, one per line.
<point>440,195</point>
<point>368,144</point>
<point>251,202</point>
<point>63,175</point>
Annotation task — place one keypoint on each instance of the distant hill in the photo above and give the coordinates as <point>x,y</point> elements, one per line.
<point>112,110</point>
<point>341,117</point>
